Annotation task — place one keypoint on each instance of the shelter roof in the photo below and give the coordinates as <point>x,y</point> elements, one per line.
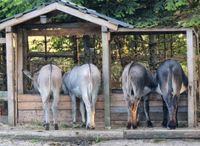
<point>66,7</point>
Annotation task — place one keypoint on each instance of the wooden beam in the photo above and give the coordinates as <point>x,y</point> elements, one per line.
<point>106,74</point>
<point>64,32</point>
<point>86,16</point>
<point>10,75</point>
<point>191,79</point>
<point>50,54</point>
<point>162,134</point>
<point>2,40</point>
<point>150,30</point>
<point>74,25</point>
<point>28,16</point>
<point>20,61</point>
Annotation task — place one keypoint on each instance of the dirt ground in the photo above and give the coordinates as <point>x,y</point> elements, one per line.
<point>13,141</point>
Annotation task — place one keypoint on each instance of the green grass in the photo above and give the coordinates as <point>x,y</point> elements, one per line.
<point>34,141</point>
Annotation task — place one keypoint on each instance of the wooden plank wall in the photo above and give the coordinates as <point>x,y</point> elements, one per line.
<point>119,111</point>
<point>30,110</point>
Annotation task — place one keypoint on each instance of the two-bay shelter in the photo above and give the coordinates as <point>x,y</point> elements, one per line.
<point>110,106</point>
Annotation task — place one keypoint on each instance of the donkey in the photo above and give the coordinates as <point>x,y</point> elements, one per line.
<point>48,81</point>
<point>83,82</point>
<point>170,78</point>
<point>137,82</point>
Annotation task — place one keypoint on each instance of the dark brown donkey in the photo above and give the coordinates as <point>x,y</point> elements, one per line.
<point>170,78</point>
<point>137,83</point>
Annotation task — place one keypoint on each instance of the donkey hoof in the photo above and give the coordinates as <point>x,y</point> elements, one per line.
<point>90,127</point>
<point>149,124</point>
<point>134,126</point>
<point>164,124</point>
<point>56,127</point>
<point>128,126</point>
<point>171,125</point>
<point>46,126</point>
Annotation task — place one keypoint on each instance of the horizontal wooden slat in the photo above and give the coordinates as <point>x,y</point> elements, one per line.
<point>38,105</point>
<point>152,97</point>
<point>114,97</point>
<point>151,109</point>
<point>151,103</point>
<point>63,116</point>
<point>27,116</point>
<point>37,98</point>
<point>62,105</point>
<point>153,116</point>
<point>64,32</point>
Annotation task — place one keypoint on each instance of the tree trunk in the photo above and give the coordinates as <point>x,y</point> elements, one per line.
<point>87,49</point>
<point>75,50</point>
<point>152,52</point>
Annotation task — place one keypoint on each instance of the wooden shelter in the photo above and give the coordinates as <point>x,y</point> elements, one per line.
<point>19,27</point>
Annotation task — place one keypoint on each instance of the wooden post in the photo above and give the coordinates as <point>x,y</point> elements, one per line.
<point>191,79</point>
<point>25,48</point>
<point>26,63</point>
<point>106,75</point>
<point>10,75</point>
<point>20,61</point>
<point>15,54</point>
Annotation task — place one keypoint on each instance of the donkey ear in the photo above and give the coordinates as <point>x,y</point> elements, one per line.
<point>28,74</point>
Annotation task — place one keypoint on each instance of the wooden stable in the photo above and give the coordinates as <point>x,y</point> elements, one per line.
<point>111,109</point>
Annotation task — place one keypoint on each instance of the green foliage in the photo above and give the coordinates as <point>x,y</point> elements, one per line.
<point>185,12</point>
<point>172,5</point>
<point>9,8</point>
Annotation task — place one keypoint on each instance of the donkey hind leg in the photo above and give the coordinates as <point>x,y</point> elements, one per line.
<point>128,102</point>
<point>165,114</point>
<point>46,110</point>
<point>73,97</point>
<point>134,111</point>
<point>54,109</point>
<point>146,111</point>
<point>140,110</point>
<point>177,116</point>
<point>88,110</point>
<point>172,122</point>
<point>93,103</point>
<point>82,110</point>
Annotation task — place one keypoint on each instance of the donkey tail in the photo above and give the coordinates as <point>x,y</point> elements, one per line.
<point>90,83</point>
<point>50,76</point>
<point>170,80</point>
